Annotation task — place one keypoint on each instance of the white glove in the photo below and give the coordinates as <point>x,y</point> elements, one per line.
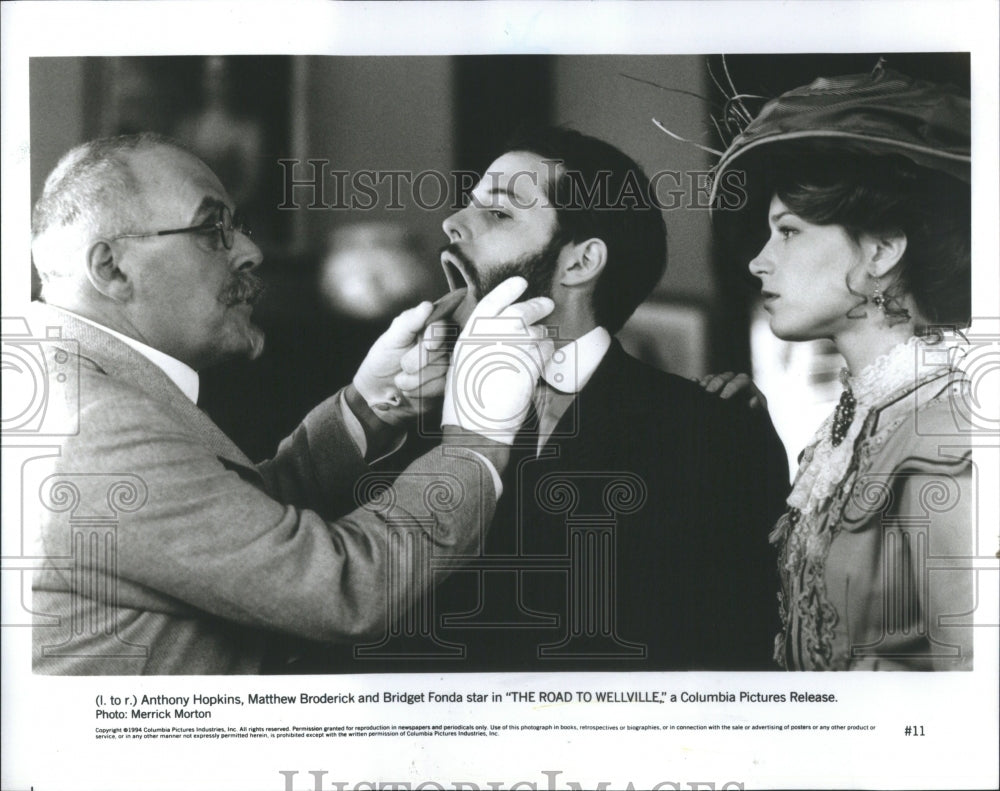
<point>496,363</point>
<point>401,375</point>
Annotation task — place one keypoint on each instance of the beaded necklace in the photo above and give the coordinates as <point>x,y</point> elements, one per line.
<point>827,458</point>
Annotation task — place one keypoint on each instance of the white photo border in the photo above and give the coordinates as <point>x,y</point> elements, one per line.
<point>48,723</point>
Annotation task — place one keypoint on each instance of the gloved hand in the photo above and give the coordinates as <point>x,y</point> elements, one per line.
<point>404,371</point>
<point>496,363</point>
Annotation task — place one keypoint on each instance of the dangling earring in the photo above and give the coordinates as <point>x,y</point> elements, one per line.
<point>878,298</point>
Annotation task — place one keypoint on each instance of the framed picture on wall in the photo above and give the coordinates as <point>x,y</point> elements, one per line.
<point>235,112</point>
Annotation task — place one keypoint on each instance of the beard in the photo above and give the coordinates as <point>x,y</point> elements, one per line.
<point>245,287</point>
<point>537,268</point>
<point>254,337</point>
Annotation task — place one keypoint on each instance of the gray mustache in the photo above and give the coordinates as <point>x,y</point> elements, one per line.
<point>244,287</point>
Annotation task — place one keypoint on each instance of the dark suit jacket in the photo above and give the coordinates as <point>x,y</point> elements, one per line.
<point>637,540</point>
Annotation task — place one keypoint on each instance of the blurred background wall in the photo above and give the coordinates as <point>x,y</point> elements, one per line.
<point>336,274</point>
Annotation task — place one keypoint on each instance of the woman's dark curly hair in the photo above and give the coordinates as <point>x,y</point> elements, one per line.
<point>881,194</point>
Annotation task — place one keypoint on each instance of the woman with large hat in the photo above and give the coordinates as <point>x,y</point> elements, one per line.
<point>862,184</point>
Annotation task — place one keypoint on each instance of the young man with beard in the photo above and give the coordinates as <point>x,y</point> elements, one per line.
<point>633,529</point>
<point>165,549</point>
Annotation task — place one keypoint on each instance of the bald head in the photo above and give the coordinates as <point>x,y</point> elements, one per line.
<point>136,234</point>
<point>92,192</point>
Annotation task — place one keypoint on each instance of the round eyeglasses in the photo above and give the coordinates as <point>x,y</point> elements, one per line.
<point>226,223</point>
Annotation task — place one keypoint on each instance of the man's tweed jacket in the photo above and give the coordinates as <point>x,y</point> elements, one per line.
<point>168,551</point>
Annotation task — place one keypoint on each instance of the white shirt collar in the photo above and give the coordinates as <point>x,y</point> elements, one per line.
<point>572,365</point>
<point>181,374</point>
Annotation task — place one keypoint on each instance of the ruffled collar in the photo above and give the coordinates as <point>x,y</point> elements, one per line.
<point>825,464</point>
<point>897,368</point>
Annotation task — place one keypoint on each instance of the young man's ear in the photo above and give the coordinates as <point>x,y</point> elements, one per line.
<point>883,252</point>
<point>104,273</point>
<point>585,262</point>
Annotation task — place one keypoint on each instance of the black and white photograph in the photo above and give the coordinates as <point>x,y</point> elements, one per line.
<point>511,406</point>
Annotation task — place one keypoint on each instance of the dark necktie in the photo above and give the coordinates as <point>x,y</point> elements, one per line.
<point>526,439</point>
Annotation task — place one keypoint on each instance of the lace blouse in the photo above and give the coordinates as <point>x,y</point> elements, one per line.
<point>875,523</point>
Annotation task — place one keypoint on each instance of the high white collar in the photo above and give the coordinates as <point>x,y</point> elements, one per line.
<point>572,365</point>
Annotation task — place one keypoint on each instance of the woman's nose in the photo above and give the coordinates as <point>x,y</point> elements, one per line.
<point>760,264</point>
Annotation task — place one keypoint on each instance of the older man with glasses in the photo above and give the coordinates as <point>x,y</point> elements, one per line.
<point>166,549</point>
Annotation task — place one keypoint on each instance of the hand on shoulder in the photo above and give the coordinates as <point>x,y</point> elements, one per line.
<point>730,385</point>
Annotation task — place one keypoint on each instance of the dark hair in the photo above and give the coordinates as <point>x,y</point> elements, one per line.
<point>867,193</point>
<point>601,192</point>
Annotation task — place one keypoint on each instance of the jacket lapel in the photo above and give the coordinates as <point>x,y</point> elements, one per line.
<point>121,361</point>
<point>585,428</point>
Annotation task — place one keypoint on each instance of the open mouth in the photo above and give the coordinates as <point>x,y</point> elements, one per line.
<point>457,276</point>
<point>455,272</point>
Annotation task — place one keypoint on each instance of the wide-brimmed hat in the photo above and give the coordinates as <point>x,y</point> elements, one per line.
<point>884,112</point>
